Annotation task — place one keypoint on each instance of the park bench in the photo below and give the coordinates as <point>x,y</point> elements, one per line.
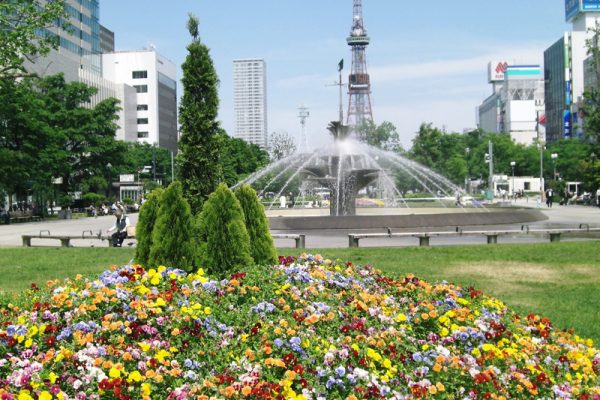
<point>300,239</point>
<point>491,235</point>
<point>65,240</point>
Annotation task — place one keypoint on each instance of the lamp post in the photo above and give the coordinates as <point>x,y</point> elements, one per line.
<point>108,169</point>
<point>554,156</point>
<point>512,164</point>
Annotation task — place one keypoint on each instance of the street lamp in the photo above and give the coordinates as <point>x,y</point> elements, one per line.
<point>108,168</point>
<point>512,164</point>
<point>554,156</point>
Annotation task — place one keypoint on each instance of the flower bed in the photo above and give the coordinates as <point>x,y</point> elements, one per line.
<point>306,329</point>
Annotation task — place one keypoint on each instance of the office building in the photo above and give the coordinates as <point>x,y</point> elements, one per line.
<point>79,48</point>
<point>517,103</point>
<point>154,79</point>
<point>250,101</point>
<point>564,71</point>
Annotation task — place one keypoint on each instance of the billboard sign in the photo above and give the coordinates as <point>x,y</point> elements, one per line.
<point>572,8</point>
<point>566,124</point>
<point>496,70</point>
<point>590,5</point>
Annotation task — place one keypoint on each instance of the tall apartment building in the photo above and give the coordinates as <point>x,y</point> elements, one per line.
<point>564,71</point>
<point>250,101</point>
<point>154,79</point>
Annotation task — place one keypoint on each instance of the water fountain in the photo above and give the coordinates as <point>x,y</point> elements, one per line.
<point>390,190</point>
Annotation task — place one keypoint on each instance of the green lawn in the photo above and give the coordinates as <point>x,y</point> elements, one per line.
<point>557,280</point>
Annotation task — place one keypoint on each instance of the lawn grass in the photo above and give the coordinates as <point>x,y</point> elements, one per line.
<point>557,280</point>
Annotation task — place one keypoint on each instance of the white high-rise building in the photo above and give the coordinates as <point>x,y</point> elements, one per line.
<point>250,100</point>
<point>154,79</point>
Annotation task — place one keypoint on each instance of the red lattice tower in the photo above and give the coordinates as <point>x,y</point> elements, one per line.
<point>359,83</point>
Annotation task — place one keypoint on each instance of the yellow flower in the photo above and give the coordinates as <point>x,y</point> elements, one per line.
<point>114,373</point>
<point>24,395</point>
<point>146,389</point>
<point>134,376</point>
<point>45,395</point>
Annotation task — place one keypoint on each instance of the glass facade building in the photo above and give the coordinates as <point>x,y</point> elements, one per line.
<point>557,89</point>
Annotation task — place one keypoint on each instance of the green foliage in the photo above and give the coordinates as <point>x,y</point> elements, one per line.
<point>384,136</point>
<point>49,131</point>
<point>173,233</point>
<point>145,226</point>
<point>224,241</point>
<point>20,23</point>
<point>240,158</point>
<point>261,243</point>
<point>200,143</point>
<point>93,198</point>
<point>137,156</point>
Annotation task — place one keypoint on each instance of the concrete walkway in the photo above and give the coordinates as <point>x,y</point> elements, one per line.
<point>10,235</point>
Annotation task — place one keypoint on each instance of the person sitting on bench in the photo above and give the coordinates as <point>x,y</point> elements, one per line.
<point>120,228</point>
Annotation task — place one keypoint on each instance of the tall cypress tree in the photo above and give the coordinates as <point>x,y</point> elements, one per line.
<point>199,144</point>
<point>173,242</point>
<point>262,248</point>
<point>145,226</point>
<point>224,241</point>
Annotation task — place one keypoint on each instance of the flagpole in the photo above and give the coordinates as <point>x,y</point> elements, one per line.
<point>340,67</point>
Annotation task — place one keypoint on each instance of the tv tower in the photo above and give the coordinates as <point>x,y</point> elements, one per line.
<point>359,83</point>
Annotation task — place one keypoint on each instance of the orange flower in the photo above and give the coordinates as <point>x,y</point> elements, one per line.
<point>229,391</point>
<point>246,390</point>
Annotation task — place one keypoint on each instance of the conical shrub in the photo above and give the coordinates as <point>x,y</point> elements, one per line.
<point>224,241</point>
<point>145,226</point>
<point>262,247</point>
<point>173,234</point>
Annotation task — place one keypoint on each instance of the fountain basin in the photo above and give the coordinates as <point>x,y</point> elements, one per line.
<point>404,218</point>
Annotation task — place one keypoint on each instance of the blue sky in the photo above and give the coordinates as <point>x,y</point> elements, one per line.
<point>427,62</point>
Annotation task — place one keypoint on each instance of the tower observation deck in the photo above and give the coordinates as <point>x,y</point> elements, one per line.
<point>359,82</point>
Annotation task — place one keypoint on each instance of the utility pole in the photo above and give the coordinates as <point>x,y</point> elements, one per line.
<point>340,84</point>
<point>491,166</point>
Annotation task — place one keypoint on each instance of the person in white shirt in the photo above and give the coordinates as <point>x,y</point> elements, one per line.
<point>120,228</point>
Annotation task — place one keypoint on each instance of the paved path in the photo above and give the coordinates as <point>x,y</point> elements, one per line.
<point>10,235</point>
<point>558,217</point>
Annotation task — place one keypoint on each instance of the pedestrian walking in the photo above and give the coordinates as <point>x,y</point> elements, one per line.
<point>549,199</point>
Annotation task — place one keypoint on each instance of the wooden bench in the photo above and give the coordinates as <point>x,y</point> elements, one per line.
<point>300,239</point>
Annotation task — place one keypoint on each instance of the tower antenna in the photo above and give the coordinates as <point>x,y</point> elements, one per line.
<point>359,82</point>
<point>303,114</point>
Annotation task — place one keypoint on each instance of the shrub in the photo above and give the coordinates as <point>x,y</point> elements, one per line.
<point>262,248</point>
<point>225,244</point>
<point>173,233</point>
<point>145,225</point>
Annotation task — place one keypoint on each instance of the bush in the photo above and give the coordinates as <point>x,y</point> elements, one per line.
<point>145,225</point>
<point>173,233</point>
<point>224,241</point>
<point>262,247</point>
<point>93,198</point>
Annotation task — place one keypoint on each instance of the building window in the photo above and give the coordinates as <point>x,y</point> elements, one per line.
<point>141,88</point>
<point>527,186</point>
<point>142,135</point>
<point>142,121</point>
<point>139,74</point>
<point>142,107</point>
